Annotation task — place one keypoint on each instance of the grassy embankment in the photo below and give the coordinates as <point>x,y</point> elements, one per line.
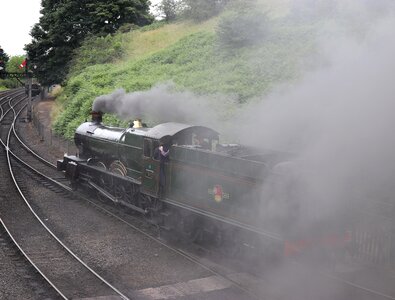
<point>191,56</point>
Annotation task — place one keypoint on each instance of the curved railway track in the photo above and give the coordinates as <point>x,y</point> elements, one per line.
<point>76,289</point>
<point>84,281</point>
<point>45,171</point>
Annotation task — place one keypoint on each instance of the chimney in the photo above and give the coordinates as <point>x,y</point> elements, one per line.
<point>137,123</point>
<point>97,117</point>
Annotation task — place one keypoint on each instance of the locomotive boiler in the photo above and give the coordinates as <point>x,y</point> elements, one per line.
<point>207,191</point>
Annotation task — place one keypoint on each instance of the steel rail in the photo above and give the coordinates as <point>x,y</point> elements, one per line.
<point>9,154</point>
<point>173,249</point>
<point>17,244</point>
<point>196,261</point>
<point>178,251</point>
<point>6,98</point>
<point>31,262</point>
<point>31,151</point>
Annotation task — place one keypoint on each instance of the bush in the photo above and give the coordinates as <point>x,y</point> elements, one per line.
<point>193,62</point>
<point>98,50</point>
<point>168,9</point>
<point>56,91</point>
<point>237,30</point>
<point>153,26</point>
<point>203,9</point>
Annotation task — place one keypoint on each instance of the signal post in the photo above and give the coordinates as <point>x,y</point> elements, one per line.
<point>28,76</point>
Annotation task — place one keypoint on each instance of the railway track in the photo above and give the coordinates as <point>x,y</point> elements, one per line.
<point>56,185</point>
<point>244,285</point>
<point>21,274</point>
<point>38,257</point>
<point>66,273</point>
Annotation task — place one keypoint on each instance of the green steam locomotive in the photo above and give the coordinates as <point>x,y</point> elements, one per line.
<point>204,190</point>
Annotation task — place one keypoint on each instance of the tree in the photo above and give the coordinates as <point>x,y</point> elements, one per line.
<point>238,29</point>
<point>64,24</point>
<point>3,60</point>
<point>13,67</point>
<point>169,9</point>
<point>201,10</point>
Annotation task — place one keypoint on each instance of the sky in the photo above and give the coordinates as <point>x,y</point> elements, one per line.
<point>16,21</point>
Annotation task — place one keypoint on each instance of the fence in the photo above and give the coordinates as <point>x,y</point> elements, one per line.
<point>373,240</point>
<point>48,136</point>
<point>375,246</point>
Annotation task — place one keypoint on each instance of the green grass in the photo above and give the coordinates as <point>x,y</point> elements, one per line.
<point>189,55</point>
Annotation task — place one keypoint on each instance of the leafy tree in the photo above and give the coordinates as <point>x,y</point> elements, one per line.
<point>169,9</point>
<point>14,63</point>
<point>201,10</point>
<point>97,50</point>
<point>3,60</point>
<point>12,66</point>
<point>65,24</point>
<point>240,29</point>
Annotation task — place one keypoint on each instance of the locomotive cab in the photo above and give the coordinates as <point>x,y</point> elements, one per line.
<point>151,167</point>
<point>156,174</point>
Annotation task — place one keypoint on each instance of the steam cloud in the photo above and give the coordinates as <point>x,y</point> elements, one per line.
<point>338,120</point>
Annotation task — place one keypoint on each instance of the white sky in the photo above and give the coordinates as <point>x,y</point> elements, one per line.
<point>16,20</point>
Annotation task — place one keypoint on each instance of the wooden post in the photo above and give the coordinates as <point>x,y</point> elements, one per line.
<point>29,78</point>
<point>29,101</point>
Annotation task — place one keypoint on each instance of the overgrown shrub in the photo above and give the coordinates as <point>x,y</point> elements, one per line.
<point>193,63</point>
<point>12,66</point>
<point>125,28</point>
<point>153,26</point>
<point>237,29</point>
<point>98,50</point>
<point>169,10</point>
<point>200,10</point>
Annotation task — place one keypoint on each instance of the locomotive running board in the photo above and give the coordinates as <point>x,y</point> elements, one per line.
<point>115,200</point>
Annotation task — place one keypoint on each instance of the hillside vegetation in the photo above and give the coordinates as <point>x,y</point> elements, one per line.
<point>209,58</point>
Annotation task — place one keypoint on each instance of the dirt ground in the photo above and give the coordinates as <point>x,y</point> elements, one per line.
<point>40,135</point>
<point>43,110</point>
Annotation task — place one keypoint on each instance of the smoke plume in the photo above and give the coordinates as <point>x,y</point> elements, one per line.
<point>162,104</point>
<point>338,122</point>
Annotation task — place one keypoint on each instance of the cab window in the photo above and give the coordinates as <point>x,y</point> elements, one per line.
<point>147,148</point>
<point>155,153</point>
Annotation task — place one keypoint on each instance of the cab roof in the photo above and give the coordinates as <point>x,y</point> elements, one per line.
<point>173,129</point>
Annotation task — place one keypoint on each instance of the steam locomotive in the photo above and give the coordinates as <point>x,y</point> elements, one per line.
<point>206,191</point>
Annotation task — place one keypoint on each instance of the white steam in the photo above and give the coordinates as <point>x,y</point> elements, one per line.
<point>339,120</point>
